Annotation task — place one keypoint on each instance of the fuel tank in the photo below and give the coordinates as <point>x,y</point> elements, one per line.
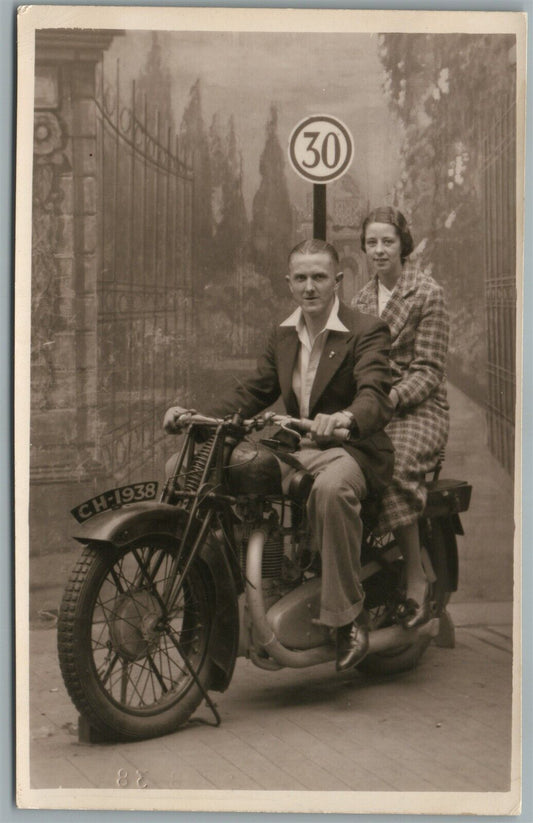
<point>253,469</point>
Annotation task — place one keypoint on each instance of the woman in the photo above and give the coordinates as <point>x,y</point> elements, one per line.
<point>412,304</point>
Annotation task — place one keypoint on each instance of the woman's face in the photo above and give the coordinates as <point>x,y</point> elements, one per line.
<point>383,250</point>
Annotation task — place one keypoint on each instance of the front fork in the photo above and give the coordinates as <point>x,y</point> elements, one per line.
<point>177,573</point>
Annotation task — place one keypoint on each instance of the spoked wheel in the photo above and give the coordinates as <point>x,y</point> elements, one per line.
<point>382,614</point>
<point>131,667</point>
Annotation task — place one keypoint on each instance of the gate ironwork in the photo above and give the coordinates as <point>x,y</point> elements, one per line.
<point>145,279</point>
<point>499,204</point>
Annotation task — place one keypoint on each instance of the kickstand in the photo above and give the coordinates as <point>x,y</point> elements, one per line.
<point>200,720</point>
<point>205,695</point>
<point>197,721</point>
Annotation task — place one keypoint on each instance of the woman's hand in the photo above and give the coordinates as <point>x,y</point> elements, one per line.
<point>394,397</point>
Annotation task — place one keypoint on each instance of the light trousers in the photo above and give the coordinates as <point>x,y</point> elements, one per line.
<point>334,511</point>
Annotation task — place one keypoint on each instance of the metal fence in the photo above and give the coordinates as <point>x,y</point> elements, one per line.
<point>145,277</point>
<point>499,197</point>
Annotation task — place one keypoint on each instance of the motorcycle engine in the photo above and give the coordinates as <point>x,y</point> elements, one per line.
<point>272,564</point>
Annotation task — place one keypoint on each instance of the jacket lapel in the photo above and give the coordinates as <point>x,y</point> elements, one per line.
<point>396,312</point>
<point>287,353</point>
<point>335,348</point>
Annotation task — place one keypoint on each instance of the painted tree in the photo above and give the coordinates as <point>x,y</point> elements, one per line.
<point>194,142</point>
<point>445,90</point>
<point>238,301</point>
<point>218,168</point>
<point>154,87</point>
<point>231,232</point>
<point>272,215</point>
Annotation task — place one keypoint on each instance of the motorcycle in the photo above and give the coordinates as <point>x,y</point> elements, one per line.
<point>168,593</point>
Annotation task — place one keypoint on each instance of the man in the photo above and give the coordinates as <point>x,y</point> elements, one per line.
<point>330,364</point>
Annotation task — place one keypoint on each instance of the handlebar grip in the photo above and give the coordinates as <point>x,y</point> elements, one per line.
<point>304,424</point>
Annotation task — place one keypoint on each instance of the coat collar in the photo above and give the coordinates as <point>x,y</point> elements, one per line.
<point>396,312</point>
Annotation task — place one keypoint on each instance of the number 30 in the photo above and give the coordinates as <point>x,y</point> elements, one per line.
<point>324,153</point>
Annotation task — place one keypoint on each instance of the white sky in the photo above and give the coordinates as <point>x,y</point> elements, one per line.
<point>243,72</point>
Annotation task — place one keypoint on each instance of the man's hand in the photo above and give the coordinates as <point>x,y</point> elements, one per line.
<point>176,418</point>
<point>324,425</point>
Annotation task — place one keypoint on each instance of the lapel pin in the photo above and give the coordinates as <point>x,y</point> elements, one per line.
<point>331,354</point>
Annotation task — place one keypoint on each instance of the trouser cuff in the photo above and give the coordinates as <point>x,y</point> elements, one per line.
<point>336,619</point>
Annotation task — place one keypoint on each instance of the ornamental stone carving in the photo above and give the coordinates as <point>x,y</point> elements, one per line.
<point>47,133</point>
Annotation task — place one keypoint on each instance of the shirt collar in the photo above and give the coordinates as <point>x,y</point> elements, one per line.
<point>333,323</point>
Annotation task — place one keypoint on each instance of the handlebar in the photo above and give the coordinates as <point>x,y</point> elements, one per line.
<point>284,421</point>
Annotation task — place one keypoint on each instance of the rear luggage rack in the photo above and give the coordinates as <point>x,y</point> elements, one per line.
<point>447,497</point>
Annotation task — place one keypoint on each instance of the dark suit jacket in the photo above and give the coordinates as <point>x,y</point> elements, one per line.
<point>353,374</point>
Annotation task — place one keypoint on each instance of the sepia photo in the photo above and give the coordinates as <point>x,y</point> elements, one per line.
<point>267,405</point>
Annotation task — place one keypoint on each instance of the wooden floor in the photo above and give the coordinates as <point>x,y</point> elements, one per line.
<point>444,727</point>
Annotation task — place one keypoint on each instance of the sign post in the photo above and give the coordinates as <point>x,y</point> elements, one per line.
<point>319,211</point>
<point>320,151</point>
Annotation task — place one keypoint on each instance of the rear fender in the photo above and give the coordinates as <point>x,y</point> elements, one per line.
<point>123,526</point>
<point>442,550</point>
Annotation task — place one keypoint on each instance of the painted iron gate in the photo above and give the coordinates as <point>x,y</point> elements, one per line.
<point>499,198</point>
<point>145,280</point>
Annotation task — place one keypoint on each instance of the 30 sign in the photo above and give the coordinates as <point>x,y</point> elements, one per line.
<point>320,148</point>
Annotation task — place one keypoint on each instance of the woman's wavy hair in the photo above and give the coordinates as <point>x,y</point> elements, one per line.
<point>388,214</point>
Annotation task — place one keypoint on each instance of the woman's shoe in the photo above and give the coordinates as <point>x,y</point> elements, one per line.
<point>411,614</point>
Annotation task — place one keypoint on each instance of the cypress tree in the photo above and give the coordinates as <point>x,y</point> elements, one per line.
<point>195,144</point>
<point>272,215</point>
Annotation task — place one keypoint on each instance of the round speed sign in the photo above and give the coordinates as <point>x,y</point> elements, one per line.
<point>320,148</point>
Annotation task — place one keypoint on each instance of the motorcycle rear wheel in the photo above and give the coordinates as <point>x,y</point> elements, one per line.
<point>407,657</point>
<point>126,663</point>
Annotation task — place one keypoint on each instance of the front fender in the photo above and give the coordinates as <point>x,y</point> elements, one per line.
<point>123,526</point>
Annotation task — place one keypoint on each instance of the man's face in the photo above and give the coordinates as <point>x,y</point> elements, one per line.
<point>312,281</point>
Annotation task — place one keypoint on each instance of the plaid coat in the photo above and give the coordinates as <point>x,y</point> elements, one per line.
<point>418,320</point>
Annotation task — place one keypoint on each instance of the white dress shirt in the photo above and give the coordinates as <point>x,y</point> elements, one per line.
<point>310,353</point>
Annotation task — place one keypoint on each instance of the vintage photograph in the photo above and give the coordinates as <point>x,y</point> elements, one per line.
<point>268,366</point>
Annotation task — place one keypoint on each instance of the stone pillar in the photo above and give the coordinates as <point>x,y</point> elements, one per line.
<point>65,260</point>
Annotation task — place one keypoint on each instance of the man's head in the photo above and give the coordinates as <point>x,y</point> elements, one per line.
<point>313,278</point>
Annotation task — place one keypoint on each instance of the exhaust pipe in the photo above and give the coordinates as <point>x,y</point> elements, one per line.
<point>379,641</point>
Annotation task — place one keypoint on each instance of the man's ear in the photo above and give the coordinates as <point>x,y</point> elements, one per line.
<point>338,278</point>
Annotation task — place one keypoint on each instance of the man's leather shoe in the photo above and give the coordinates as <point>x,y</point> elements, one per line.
<point>352,645</point>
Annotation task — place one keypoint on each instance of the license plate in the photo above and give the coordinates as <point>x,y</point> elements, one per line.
<point>114,499</point>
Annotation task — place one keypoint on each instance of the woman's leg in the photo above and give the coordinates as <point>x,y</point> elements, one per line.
<point>409,543</point>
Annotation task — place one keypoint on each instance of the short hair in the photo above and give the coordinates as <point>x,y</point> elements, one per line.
<point>388,214</point>
<point>315,246</point>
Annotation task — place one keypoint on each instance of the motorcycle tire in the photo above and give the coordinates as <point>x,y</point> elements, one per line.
<point>125,663</point>
<point>395,661</point>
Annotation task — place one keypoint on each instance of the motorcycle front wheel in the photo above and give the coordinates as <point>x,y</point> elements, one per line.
<point>131,668</point>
